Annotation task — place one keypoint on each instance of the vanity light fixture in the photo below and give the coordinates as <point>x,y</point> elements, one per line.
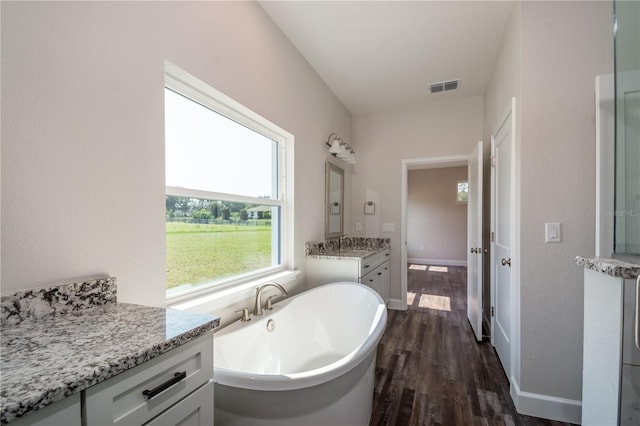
<point>339,149</point>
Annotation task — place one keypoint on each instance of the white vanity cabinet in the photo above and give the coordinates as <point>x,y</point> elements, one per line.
<point>611,358</point>
<point>66,412</point>
<point>371,270</point>
<point>173,388</point>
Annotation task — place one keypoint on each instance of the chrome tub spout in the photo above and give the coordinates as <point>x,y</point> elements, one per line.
<point>257,308</point>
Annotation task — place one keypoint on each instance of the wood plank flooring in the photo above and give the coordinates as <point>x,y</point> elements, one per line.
<point>431,371</point>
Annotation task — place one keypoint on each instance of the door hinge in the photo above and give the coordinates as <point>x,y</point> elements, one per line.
<point>493,312</point>
<point>493,236</point>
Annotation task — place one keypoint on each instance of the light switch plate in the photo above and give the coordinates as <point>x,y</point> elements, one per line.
<point>552,233</point>
<point>388,227</point>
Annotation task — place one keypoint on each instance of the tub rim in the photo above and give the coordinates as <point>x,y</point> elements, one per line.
<point>316,376</point>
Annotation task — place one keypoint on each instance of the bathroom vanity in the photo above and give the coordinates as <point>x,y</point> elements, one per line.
<point>71,355</point>
<point>363,260</point>
<point>611,355</point>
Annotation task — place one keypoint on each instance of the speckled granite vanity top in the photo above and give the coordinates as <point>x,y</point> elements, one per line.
<point>613,267</point>
<point>346,254</point>
<point>61,340</point>
<point>347,247</point>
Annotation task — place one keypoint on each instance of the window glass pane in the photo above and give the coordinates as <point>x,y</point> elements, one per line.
<point>207,151</point>
<point>463,192</point>
<point>211,240</point>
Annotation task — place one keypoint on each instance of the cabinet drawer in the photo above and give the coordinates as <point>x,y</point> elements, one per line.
<point>120,400</point>
<point>369,263</point>
<point>194,410</point>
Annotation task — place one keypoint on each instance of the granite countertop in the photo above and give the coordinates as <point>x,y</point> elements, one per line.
<point>44,360</point>
<point>612,267</point>
<point>346,254</point>
<point>347,248</point>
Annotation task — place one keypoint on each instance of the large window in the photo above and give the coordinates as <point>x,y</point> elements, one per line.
<point>224,190</point>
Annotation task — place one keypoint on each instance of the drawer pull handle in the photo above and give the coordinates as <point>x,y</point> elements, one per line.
<point>387,254</point>
<point>366,266</point>
<point>148,394</point>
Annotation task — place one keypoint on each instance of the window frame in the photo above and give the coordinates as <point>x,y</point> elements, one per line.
<point>196,90</point>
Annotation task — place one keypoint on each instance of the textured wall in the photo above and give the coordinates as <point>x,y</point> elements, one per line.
<point>436,223</point>
<point>83,129</point>
<point>441,127</point>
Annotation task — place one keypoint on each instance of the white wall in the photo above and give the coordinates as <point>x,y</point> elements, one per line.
<point>549,59</point>
<point>559,65</point>
<point>442,126</point>
<point>83,131</point>
<point>436,222</point>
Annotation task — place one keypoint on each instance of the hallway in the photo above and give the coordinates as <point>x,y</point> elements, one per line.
<point>431,371</point>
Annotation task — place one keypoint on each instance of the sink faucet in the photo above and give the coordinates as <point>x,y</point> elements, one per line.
<point>257,308</point>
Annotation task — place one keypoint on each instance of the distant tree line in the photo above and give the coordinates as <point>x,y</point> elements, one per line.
<point>198,208</point>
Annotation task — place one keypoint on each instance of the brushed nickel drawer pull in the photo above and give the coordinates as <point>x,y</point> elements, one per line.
<point>177,377</point>
<point>506,262</point>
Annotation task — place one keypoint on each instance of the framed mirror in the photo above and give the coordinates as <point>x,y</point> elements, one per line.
<point>334,201</point>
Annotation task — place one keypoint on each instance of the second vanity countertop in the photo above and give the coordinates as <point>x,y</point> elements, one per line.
<point>612,267</point>
<point>43,361</point>
<point>347,248</point>
<point>347,253</point>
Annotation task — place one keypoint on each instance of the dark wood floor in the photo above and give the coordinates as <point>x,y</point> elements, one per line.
<point>431,371</point>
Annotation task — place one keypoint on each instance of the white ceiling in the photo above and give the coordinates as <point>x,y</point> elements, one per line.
<point>382,55</point>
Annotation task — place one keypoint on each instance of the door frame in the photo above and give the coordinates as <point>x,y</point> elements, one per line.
<point>514,350</point>
<point>458,160</point>
<point>475,263</point>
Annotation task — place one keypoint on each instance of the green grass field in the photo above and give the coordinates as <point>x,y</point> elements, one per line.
<point>196,253</point>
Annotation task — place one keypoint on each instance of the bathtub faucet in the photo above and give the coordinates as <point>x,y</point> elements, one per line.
<point>257,308</point>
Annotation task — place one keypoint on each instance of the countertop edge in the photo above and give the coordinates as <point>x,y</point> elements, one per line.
<point>346,255</point>
<point>608,266</point>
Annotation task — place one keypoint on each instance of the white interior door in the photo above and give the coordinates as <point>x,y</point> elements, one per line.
<point>474,242</point>
<point>502,170</point>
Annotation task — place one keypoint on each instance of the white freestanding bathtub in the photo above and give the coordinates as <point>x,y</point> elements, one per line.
<point>315,367</point>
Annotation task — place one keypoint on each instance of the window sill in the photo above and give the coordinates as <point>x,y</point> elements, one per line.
<point>203,303</point>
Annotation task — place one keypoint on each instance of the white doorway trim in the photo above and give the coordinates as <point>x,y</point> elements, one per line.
<point>416,164</point>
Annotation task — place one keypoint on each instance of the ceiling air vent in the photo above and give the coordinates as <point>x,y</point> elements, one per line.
<point>444,86</point>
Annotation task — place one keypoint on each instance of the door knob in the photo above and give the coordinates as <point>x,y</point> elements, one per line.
<point>506,262</point>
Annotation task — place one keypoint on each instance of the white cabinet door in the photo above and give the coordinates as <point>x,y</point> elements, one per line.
<point>378,279</point>
<point>384,283</point>
<point>602,347</point>
<point>372,279</point>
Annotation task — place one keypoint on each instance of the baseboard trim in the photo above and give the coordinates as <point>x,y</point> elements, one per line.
<point>396,304</point>
<point>439,262</point>
<point>545,406</point>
